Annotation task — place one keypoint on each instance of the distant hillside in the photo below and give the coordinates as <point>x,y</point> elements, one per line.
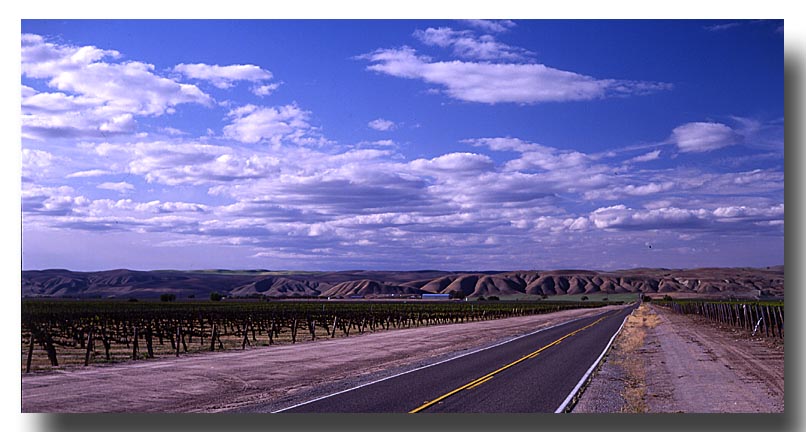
<point>715,282</point>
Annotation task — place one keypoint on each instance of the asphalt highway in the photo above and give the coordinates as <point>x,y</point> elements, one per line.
<point>531,374</point>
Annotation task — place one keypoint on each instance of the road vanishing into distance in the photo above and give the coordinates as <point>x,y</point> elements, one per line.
<point>535,373</point>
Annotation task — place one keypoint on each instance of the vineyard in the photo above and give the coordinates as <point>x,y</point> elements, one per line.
<point>74,333</point>
<point>755,317</point>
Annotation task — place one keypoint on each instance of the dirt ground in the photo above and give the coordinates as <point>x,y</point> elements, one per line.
<point>668,363</point>
<point>265,378</point>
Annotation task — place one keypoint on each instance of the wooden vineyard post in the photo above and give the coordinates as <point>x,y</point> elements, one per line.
<point>773,319</point>
<point>178,337</point>
<point>171,336</point>
<point>312,328</point>
<point>213,333</point>
<point>335,321</point>
<point>294,331</point>
<point>89,348</point>
<point>149,342</point>
<point>135,344</point>
<point>125,331</point>
<point>106,343</point>
<point>50,349</point>
<point>245,336</point>
<point>747,320</point>
<point>30,353</point>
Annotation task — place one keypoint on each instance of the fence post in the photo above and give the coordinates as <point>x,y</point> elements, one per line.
<point>89,348</point>
<point>30,353</point>
<point>135,344</point>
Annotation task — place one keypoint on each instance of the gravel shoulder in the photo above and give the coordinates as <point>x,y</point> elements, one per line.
<point>267,378</point>
<point>684,364</point>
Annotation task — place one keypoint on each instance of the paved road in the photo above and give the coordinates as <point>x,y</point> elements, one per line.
<point>531,374</point>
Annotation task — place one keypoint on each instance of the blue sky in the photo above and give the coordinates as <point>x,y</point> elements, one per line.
<point>400,144</point>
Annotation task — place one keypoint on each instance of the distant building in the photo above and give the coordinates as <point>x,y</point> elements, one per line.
<point>436,296</point>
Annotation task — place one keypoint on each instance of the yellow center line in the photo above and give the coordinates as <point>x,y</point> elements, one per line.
<point>480,383</point>
<point>489,376</point>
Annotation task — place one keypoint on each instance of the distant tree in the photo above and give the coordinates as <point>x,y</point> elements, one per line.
<point>667,297</point>
<point>583,298</point>
<point>132,299</point>
<point>454,294</point>
<point>493,298</point>
<point>604,299</point>
<point>168,297</point>
<point>481,298</point>
<point>544,296</point>
<point>215,296</point>
<point>646,298</point>
<point>192,296</point>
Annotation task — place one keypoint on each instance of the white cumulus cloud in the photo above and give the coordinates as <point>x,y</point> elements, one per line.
<point>495,26</point>
<point>466,44</point>
<point>380,124</point>
<point>223,76</point>
<point>89,173</point>
<point>646,157</point>
<point>502,82</point>
<point>699,137</point>
<point>120,187</point>
<point>251,124</point>
<point>94,91</point>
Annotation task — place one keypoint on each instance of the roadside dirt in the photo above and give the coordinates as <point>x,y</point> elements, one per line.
<point>677,363</point>
<point>266,378</point>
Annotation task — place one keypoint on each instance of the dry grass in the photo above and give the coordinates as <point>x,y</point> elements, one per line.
<point>628,345</point>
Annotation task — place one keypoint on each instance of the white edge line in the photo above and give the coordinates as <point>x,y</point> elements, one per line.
<point>439,362</point>
<point>590,370</point>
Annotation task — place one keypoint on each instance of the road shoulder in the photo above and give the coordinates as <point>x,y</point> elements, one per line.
<point>668,363</point>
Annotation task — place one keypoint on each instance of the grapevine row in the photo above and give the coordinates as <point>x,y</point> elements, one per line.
<point>90,332</point>
<point>757,318</point>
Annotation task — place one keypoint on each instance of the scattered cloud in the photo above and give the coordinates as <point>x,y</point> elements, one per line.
<point>223,77</point>
<point>378,143</point>
<point>89,173</point>
<point>494,26</point>
<point>699,137</point>
<point>33,159</point>
<point>266,89</point>
<point>275,125</point>
<point>722,27</point>
<point>380,124</point>
<point>172,131</point>
<point>646,157</point>
<point>120,187</point>
<point>493,83</point>
<point>50,201</point>
<point>625,218</point>
<point>93,94</point>
<point>454,163</point>
<point>188,163</point>
<point>466,44</point>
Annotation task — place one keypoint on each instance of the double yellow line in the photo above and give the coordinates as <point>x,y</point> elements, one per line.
<point>479,381</point>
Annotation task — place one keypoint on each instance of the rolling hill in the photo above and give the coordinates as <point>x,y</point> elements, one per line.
<point>712,282</point>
